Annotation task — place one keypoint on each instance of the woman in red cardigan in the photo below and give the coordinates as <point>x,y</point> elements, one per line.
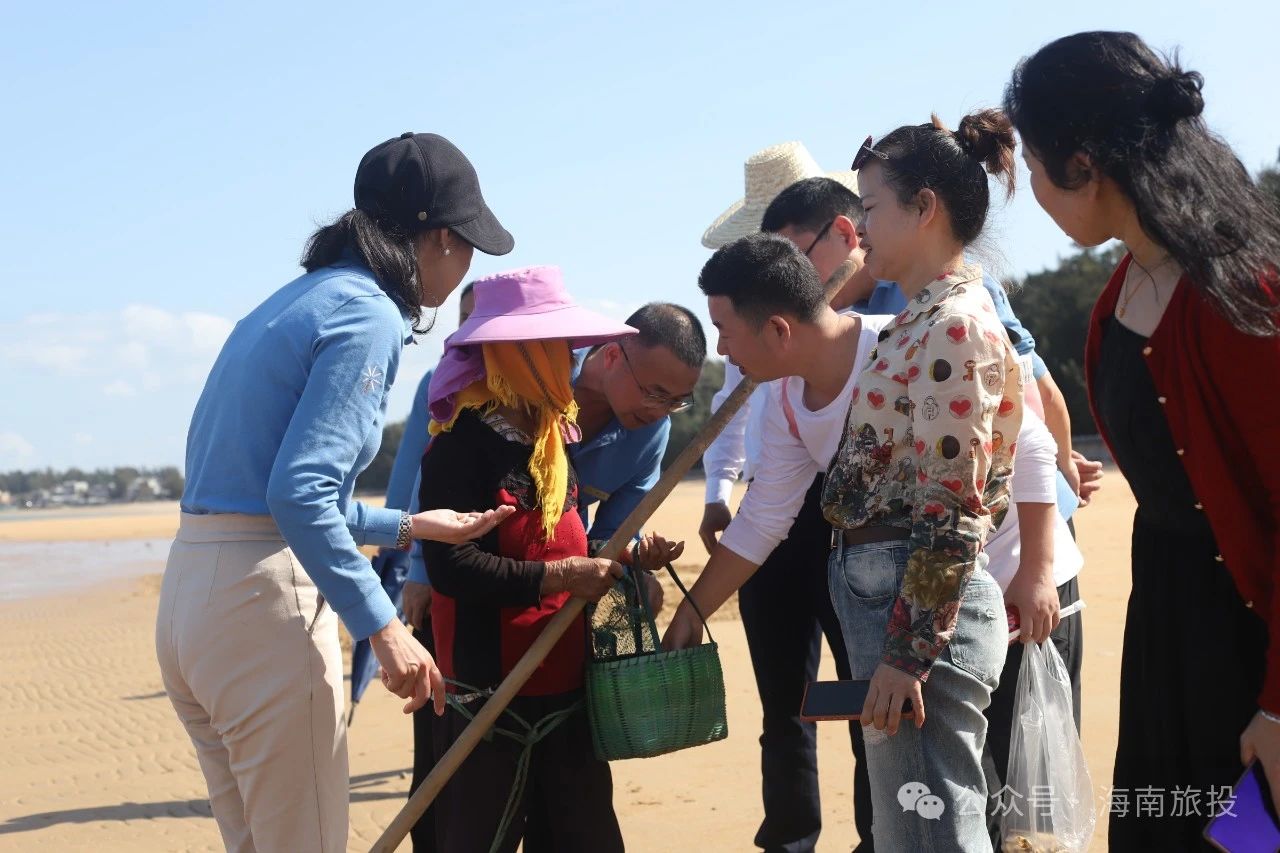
<point>1182,361</point>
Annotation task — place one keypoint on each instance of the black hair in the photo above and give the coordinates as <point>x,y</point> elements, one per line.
<point>954,165</point>
<point>763,275</point>
<point>384,247</point>
<point>466,290</point>
<point>811,204</point>
<point>662,324</point>
<point>1136,116</point>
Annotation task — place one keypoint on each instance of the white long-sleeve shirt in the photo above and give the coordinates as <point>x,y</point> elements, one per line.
<point>735,451</point>
<point>1035,480</point>
<point>788,459</point>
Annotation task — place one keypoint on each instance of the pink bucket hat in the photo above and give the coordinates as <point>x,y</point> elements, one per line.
<point>528,304</point>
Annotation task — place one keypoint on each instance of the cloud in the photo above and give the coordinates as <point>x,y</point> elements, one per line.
<point>62,359</point>
<point>136,347</point>
<point>618,310</point>
<point>119,388</point>
<point>15,451</point>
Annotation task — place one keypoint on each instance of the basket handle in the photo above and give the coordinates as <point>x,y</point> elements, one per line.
<point>644,601</point>
<point>680,586</point>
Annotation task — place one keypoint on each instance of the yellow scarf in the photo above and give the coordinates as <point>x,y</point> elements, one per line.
<point>535,376</point>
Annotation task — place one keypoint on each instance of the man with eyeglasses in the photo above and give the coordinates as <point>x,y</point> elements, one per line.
<point>626,393</point>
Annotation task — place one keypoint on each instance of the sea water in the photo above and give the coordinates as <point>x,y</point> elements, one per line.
<point>29,569</point>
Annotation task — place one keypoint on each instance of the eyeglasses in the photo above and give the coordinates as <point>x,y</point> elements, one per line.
<point>673,405</point>
<point>818,239</point>
<point>865,153</point>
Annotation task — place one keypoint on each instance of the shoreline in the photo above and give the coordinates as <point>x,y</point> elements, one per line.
<point>151,520</point>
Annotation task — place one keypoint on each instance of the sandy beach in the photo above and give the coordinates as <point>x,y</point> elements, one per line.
<point>96,760</point>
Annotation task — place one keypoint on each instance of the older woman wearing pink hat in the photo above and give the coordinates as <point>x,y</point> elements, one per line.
<point>502,411</point>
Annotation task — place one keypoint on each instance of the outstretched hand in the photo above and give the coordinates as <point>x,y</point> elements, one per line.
<point>653,552</point>
<point>454,528</point>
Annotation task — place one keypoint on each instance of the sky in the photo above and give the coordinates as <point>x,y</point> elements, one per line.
<point>164,162</point>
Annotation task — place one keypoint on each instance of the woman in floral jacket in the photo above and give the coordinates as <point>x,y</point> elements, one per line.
<point>919,481</point>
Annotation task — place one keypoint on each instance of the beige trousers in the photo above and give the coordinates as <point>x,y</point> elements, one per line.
<point>251,662</point>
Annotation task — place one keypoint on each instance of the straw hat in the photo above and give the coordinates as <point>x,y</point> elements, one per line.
<point>769,172</point>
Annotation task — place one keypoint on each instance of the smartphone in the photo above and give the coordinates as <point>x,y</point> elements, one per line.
<point>838,700</point>
<point>1250,824</point>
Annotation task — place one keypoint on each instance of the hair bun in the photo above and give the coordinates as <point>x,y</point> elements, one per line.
<point>984,134</point>
<point>974,139</point>
<point>1176,96</point>
<point>987,137</point>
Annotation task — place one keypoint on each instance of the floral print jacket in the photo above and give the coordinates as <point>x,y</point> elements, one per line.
<point>928,446</point>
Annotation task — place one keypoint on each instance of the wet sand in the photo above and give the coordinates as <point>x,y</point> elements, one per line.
<point>96,760</point>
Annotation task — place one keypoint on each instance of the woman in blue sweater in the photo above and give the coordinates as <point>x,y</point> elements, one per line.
<point>266,559</point>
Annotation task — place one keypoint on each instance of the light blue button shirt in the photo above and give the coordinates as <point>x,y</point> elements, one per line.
<point>291,413</point>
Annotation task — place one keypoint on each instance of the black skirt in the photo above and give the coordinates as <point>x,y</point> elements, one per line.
<point>1193,663</point>
<point>1194,653</point>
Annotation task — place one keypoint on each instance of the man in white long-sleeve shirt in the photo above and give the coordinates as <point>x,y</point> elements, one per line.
<point>772,323</point>
<point>786,608</point>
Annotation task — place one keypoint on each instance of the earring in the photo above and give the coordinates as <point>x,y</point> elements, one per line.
<point>447,251</point>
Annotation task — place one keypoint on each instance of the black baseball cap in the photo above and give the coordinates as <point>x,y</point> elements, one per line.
<point>422,181</point>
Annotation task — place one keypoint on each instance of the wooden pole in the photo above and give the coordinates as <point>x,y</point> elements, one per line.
<point>521,672</point>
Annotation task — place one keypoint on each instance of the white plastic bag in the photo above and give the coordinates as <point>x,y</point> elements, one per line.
<point>1047,804</point>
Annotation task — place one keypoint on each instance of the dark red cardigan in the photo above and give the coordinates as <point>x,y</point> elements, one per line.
<point>1221,394</point>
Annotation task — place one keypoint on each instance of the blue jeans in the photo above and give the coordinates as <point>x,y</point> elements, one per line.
<point>945,757</point>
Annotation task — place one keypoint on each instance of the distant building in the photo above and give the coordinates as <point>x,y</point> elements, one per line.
<point>145,489</point>
<point>70,493</point>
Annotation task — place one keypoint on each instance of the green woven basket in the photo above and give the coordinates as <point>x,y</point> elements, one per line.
<point>655,702</point>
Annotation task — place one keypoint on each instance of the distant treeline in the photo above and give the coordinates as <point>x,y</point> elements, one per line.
<point>118,481</point>
<point>1054,304</point>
